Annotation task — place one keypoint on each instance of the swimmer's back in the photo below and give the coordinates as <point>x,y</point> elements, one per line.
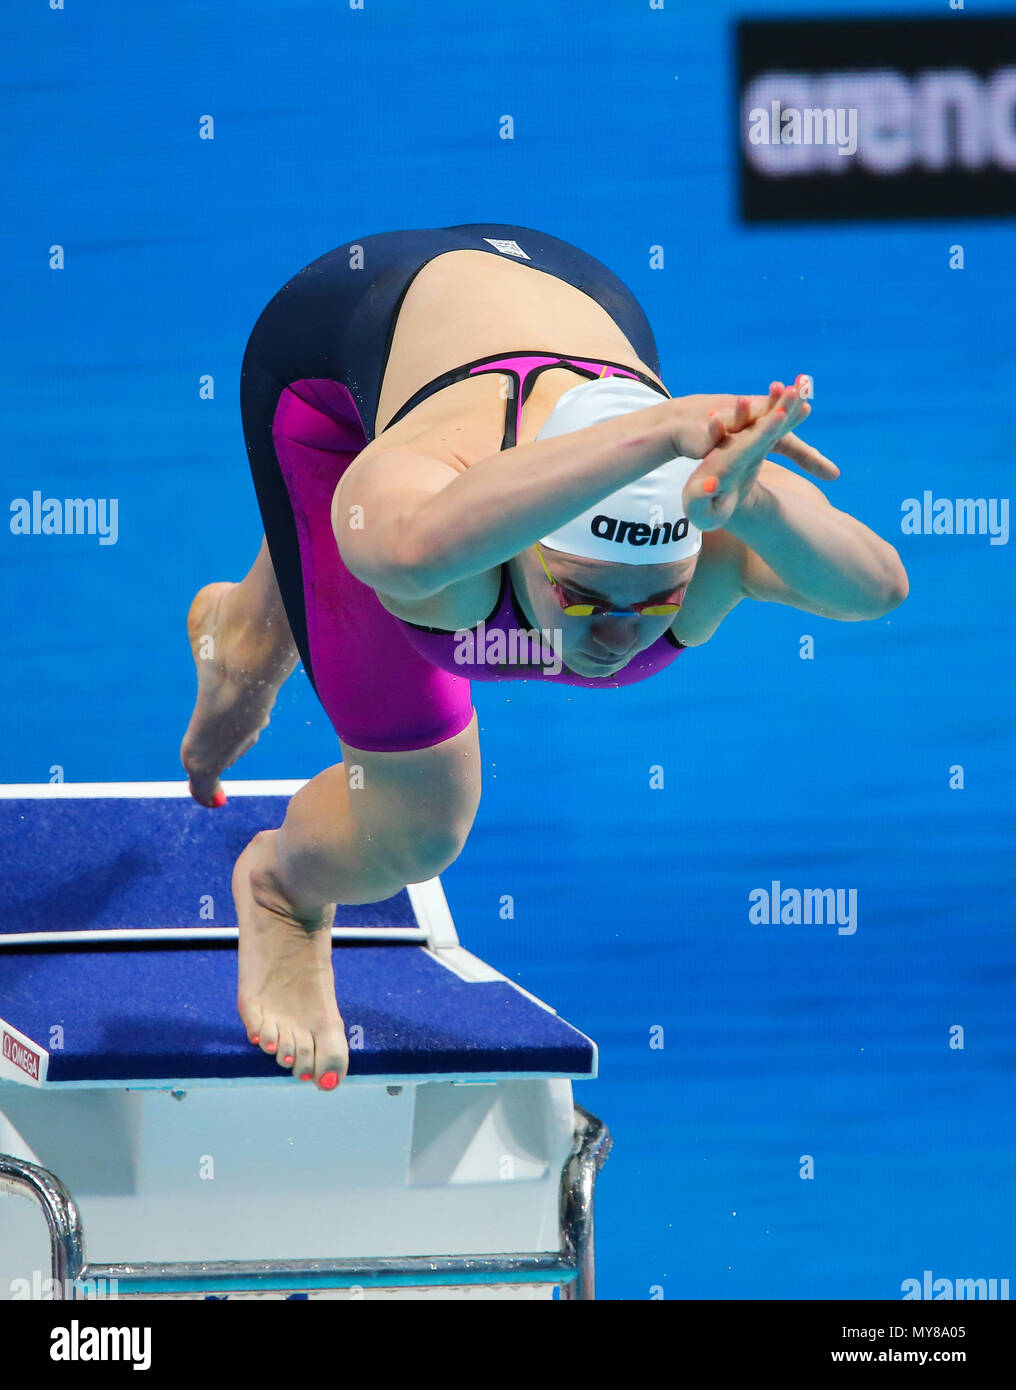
<point>465,305</point>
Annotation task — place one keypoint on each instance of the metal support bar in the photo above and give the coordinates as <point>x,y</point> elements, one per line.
<point>591,1147</point>
<point>571,1268</point>
<point>66,1238</point>
<point>300,1276</point>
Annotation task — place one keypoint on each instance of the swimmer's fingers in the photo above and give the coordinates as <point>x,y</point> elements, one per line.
<point>727,473</point>
<point>805,457</point>
<point>741,412</point>
<point>730,417</point>
<point>716,431</point>
<point>738,412</point>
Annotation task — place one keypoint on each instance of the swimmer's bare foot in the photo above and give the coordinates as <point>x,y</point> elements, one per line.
<point>240,672</point>
<point>286,991</point>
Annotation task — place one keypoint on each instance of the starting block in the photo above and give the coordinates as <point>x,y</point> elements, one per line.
<point>451,1162</point>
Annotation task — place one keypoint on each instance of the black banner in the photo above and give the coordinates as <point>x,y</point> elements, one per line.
<point>846,120</point>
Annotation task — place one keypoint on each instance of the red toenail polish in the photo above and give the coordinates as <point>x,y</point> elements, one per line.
<point>709,485</point>
<point>255,1039</point>
<point>219,799</point>
<point>306,1076</point>
<point>289,1061</point>
<point>271,1047</point>
<point>329,1081</point>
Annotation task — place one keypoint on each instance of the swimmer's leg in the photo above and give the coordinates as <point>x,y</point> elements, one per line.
<point>398,818</point>
<point>243,650</point>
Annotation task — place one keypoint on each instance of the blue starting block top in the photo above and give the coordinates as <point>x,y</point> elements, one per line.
<point>118,959</point>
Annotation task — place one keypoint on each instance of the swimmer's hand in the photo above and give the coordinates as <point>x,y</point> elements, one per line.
<point>732,414</point>
<point>744,430</point>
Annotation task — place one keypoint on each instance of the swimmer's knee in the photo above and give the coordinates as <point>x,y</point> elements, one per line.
<point>427,851</point>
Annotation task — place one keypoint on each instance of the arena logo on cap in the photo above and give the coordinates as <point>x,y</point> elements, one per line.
<point>612,528</point>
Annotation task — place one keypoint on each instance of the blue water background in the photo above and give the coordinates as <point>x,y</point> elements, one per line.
<point>630,903</point>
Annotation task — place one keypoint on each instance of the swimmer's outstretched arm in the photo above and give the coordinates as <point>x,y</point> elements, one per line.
<point>801,551</point>
<point>426,524</point>
<point>789,544</point>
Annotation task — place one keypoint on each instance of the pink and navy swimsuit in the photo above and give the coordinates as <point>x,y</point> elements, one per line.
<point>310,384</point>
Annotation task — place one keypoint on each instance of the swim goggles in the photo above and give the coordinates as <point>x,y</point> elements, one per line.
<point>588,610</point>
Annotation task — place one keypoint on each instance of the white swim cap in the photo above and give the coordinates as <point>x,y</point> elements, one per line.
<point>642,523</point>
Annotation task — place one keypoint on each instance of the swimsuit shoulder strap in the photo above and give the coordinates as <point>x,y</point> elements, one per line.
<point>523,367</point>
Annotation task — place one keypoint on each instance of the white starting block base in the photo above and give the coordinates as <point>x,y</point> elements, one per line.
<point>237,1173</point>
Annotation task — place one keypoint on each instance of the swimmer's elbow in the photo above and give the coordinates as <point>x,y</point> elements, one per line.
<point>397,577</point>
<point>898,595</point>
<point>377,552</point>
<point>890,596</point>
<point>885,588</point>
<point>897,585</point>
<point>408,583</point>
<point>392,564</point>
<point>386,538</point>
